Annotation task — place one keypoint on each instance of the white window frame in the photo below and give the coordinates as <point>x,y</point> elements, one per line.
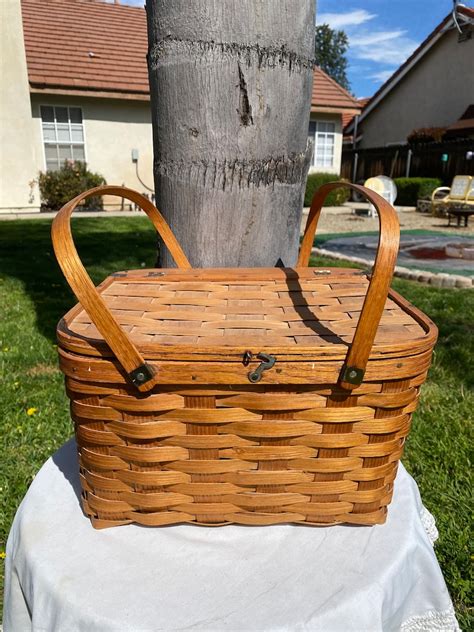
<point>315,129</point>
<point>57,143</point>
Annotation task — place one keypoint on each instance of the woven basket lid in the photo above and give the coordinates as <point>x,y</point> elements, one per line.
<point>219,314</point>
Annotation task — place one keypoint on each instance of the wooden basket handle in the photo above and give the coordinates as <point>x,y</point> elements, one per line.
<point>358,354</point>
<point>140,373</point>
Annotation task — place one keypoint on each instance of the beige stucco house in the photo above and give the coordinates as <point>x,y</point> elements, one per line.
<point>433,88</point>
<point>331,109</point>
<point>74,85</point>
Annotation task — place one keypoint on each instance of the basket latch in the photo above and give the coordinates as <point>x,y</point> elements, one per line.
<point>266,362</point>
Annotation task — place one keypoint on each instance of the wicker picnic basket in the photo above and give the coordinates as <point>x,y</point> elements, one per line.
<point>248,396</point>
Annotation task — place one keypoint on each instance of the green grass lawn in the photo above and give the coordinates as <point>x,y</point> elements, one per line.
<point>34,416</point>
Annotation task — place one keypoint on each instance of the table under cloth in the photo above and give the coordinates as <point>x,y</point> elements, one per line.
<point>62,575</point>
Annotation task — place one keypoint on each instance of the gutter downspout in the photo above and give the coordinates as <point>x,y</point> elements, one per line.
<point>354,146</point>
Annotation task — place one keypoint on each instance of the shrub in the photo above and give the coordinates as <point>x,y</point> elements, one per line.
<point>58,187</point>
<point>412,189</point>
<point>315,180</point>
<point>426,135</point>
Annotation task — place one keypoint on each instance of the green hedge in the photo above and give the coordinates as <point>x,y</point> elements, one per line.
<point>315,180</point>
<point>60,186</point>
<point>411,189</point>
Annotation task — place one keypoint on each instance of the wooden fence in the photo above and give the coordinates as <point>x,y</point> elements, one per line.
<point>432,160</point>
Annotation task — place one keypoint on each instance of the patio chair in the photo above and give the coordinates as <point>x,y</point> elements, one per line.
<point>461,191</point>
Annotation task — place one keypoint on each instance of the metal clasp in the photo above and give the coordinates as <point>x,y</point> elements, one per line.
<point>141,375</point>
<point>319,272</point>
<point>266,362</point>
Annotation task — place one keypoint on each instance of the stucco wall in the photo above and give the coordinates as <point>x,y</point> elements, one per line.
<point>435,93</point>
<point>112,129</point>
<point>17,156</point>
<point>337,119</point>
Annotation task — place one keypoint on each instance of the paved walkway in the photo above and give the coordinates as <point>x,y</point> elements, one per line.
<point>428,252</point>
<point>424,256</point>
<point>13,215</point>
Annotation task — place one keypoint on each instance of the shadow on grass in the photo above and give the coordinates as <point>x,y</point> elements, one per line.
<point>105,245</point>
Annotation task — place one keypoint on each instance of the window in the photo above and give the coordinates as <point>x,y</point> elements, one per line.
<point>63,135</point>
<point>324,135</point>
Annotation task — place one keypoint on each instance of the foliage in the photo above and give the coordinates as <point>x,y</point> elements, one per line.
<point>60,186</point>
<point>426,135</point>
<point>315,180</point>
<point>411,189</point>
<point>330,53</point>
<point>34,415</point>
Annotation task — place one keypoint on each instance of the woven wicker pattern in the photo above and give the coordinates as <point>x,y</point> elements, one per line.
<point>322,310</point>
<point>248,396</point>
<point>253,455</point>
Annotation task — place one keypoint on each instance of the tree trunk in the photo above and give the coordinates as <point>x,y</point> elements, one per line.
<point>230,86</point>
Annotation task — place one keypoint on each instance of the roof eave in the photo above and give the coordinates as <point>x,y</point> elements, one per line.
<point>89,92</point>
<point>332,109</point>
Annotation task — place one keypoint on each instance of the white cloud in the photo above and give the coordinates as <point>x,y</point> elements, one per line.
<point>343,20</point>
<point>382,75</point>
<point>377,45</point>
<point>382,47</point>
<point>375,37</point>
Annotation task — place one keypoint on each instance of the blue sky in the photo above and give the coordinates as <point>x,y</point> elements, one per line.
<point>382,33</point>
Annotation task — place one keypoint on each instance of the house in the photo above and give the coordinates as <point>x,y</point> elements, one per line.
<point>432,89</point>
<point>75,86</point>
<point>331,108</point>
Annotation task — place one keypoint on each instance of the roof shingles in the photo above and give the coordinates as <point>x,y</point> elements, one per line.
<point>85,44</point>
<point>328,93</point>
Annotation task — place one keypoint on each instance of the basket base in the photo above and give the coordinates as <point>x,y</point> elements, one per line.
<point>368,520</point>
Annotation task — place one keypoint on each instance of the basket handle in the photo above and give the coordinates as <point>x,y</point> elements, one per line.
<point>358,354</point>
<point>140,373</point>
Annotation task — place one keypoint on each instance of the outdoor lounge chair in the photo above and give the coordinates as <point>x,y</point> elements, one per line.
<point>460,192</point>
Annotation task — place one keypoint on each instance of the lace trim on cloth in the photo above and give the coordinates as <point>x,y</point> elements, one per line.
<point>429,524</point>
<point>432,621</point>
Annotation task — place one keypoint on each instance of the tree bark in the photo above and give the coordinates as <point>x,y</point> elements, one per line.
<point>230,84</point>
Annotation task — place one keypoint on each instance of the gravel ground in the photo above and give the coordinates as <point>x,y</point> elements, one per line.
<point>341,219</point>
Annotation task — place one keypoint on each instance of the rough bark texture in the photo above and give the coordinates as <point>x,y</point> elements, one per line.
<point>231,89</point>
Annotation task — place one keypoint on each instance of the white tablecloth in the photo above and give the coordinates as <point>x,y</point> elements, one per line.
<point>62,575</point>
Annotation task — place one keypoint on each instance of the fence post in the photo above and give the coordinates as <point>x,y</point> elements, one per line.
<point>407,172</point>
